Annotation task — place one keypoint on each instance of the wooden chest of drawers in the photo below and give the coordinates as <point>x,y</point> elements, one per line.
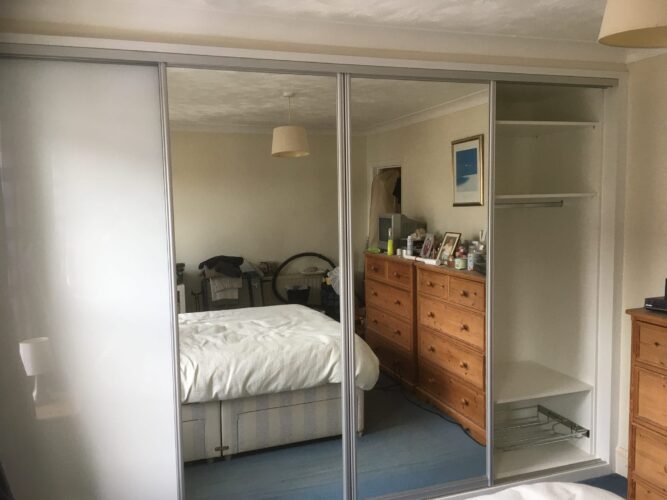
<point>647,453</point>
<point>390,315</point>
<point>451,344</point>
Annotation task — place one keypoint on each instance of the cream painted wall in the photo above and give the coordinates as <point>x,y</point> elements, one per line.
<point>423,150</point>
<point>232,197</point>
<point>645,257</point>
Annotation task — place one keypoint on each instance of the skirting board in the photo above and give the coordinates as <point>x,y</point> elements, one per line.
<point>621,464</point>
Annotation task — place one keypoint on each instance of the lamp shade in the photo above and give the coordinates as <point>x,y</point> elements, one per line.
<point>36,356</point>
<point>634,24</point>
<point>290,141</point>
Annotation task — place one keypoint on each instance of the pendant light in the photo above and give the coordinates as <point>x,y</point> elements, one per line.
<point>634,24</point>
<point>289,141</point>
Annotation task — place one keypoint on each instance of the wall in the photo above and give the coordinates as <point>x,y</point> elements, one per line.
<point>232,197</point>
<point>423,150</point>
<point>645,265</point>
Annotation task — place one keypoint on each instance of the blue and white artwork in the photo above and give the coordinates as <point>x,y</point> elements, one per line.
<point>468,171</point>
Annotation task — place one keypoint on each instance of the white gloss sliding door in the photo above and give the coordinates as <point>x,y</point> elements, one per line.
<point>85,261</point>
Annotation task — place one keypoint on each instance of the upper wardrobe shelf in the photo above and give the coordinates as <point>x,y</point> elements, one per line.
<point>548,199</point>
<point>519,128</point>
<point>525,380</point>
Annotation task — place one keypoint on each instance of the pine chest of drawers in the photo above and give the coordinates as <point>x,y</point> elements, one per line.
<point>647,451</point>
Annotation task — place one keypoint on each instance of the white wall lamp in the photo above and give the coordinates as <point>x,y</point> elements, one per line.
<point>37,361</point>
<point>634,24</point>
<point>289,141</point>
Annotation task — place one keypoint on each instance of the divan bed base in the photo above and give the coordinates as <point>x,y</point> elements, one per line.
<point>223,428</point>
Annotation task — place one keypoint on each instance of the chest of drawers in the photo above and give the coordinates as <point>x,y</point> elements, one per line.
<point>647,453</point>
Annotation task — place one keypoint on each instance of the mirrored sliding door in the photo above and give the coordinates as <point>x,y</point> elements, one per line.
<point>418,160</point>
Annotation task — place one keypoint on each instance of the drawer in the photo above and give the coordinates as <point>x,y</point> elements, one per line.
<point>644,492</point>
<point>400,273</point>
<point>652,347</point>
<point>389,298</point>
<point>376,267</point>
<point>651,397</point>
<point>397,331</point>
<point>651,457</point>
<point>447,389</point>
<point>462,324</point>
<point>436,284</point>
<point>395,361</point>
<point>440,351</point>
<point>467,293</point>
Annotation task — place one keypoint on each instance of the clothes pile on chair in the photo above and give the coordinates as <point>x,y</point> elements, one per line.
<point>224,275</point>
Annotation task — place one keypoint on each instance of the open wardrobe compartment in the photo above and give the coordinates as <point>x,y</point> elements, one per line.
<point>548,340</point>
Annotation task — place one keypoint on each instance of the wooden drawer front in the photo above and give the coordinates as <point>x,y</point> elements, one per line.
<point>651,457</point>
<point>461,362</point>
<point>652,397</point>
<point>393,300</point>
<point>400,273</point>
<point>435,284</point>
<point>467,293</point>
<point>376,267</point>
<point>461,324</point>
<point>393,329</point>
<point>644,492</point>
<point>469,402</point>
<point>652,344</point>
<point>394,360</point>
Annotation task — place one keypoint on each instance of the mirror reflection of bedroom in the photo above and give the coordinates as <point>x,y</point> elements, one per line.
<point>254,179</point>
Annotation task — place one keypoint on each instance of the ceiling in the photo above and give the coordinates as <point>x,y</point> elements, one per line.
<point>244,101</point>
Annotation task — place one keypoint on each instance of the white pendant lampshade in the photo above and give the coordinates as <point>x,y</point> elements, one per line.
<point>634,24</point>
<point>290,141</point>
<point>36,356</point>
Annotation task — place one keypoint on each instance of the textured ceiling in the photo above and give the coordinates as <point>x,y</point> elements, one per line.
<point>557,19</point>
<point>227,100</point>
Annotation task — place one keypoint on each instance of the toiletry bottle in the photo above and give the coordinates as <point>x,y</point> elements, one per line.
<point>390,243</point>
<point>410,246</point>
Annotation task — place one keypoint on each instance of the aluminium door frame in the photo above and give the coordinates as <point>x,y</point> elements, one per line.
<point>344,72</point>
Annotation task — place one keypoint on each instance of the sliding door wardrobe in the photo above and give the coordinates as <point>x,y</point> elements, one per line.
<point>549,345</point>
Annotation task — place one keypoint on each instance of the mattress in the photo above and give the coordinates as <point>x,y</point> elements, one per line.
<point>550,491</point>
<point>239,353</point>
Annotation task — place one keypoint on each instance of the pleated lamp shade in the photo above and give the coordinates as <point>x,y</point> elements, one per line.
<point>290,141</point>
<point>634,24</point>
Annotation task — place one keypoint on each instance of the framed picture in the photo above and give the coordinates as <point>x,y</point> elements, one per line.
<point>468,164</point>
<point>448,247</point>
<point>427,247</point>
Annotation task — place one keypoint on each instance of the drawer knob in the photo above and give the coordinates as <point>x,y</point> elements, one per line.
<point>664,467</point>
<point>397,302</point>
<point>431,380</point>
<point>463,365</point>
<point>397,332</point>
<point>465,402</point>
<point>463,293</point>
<point>396,275</point>
<point>374,268</point>
<point>430,314</point>
<point>429,283</point>
<point>431,348</point>
<point>463,327</point>
<point>375,321</point>
<point>374,293</point>
<point>657,344</point>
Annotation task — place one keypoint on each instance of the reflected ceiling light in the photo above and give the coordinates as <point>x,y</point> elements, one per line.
<point>634,24</point>
<point>289,141</point>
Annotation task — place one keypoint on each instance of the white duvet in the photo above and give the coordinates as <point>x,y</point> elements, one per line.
<point>550,491</point>
<point>261,350</point>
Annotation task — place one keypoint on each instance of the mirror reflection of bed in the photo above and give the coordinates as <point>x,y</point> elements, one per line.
<point>257,238</point>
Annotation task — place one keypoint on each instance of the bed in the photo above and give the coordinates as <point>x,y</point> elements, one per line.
<point>550,491</point>
<point>259,377</point>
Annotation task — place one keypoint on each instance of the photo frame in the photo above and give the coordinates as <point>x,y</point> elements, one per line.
<point>468,169</point>
<point>449,243</point>
<point>427,247</point>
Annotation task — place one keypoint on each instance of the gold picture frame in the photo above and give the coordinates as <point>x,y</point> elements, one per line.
<point>448,246</point>
<point>468,171</point>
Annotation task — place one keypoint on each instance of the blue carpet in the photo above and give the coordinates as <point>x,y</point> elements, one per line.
<point>612,482</point>
<point>405,447</point>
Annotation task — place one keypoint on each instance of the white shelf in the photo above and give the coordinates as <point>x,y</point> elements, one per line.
<point>503,199</point>
<point>525,380</point>
<point>526,128</point>
<point>537,459</point>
